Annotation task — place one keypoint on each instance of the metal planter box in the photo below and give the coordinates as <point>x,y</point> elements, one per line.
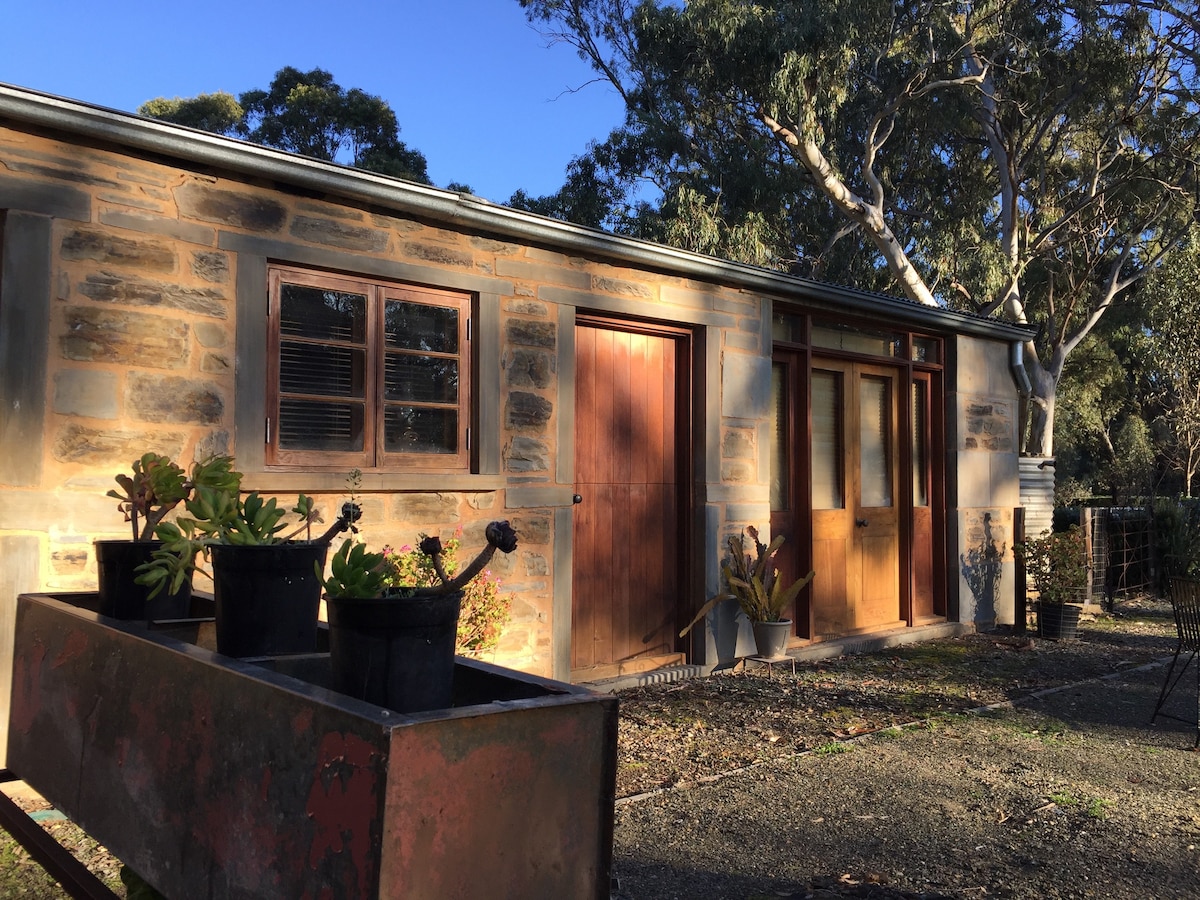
<point>220,778</point>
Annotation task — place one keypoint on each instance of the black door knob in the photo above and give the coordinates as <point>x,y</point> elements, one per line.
<point>575,498</point>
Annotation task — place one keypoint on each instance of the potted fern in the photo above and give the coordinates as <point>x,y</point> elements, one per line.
<point>393,644</point>
<point>755,583</point>
<point>153,487</point>
<point>266,592</point>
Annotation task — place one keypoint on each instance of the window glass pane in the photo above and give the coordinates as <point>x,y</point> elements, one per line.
<point>312,425</point>
<point>925,350</point>
<point>418,326</point>
<point>920,418</point>
<point>429,379</point>
<point>827,441</point>
<point>329,370</point>
<point>874,453</point>
<point>779,449</point>
<point>856,340</point>
<point>322,314</point>
<point>408,429</point>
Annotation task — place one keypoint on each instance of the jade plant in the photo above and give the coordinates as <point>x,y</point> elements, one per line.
<point>156,484</point>
<point>223,516</point>
<point>754,581</point>
<point>356,572</point>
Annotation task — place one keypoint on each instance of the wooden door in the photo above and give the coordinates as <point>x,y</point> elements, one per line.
<point>924,539</point>
<point>628,559</point>
<point>856,497</point>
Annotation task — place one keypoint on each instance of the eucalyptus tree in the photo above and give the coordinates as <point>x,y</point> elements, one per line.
<point>307,113</point>
<point>1172,295</point>
<point>1025,158</point>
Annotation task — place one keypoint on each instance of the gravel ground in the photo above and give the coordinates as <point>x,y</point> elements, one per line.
<point>1069,794</point>
<point>871,777</point>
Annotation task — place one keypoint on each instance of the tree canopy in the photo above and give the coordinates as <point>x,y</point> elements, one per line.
<point>1027,158</point>
<point>307,113</point>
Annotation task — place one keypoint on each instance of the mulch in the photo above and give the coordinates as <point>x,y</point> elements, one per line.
<point>698,730</point>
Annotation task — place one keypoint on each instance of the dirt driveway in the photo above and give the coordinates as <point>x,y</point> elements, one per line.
<point>1068,795</point>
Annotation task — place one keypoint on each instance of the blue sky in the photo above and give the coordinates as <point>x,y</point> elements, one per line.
<point>475,88</point>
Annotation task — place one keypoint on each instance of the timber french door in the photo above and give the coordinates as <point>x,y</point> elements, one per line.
<point>858,498</point>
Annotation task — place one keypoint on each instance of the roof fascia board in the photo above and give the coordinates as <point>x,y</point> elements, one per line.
<point>468,211</point>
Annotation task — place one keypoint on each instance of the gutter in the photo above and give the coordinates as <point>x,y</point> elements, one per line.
<point>1016,362</point>
<point>465,210</point>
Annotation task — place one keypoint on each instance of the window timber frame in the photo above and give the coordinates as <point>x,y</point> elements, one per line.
<point>376,350</point>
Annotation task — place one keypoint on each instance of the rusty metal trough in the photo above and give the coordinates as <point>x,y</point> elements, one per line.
<point>221,778</point>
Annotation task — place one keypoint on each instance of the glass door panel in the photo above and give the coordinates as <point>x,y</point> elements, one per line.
<point>875,452</point>
<point>828,489</point>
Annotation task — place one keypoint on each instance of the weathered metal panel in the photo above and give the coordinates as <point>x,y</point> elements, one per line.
<point>219,778</point>
<point>541,830</point>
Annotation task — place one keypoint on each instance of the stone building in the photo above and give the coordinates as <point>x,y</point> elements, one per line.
<point>628,406</point>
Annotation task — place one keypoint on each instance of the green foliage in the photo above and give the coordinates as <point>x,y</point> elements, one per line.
<point>485,609</point>
<point>218,515</point>
<point>218,112</point>
<point>1033,159</point>
<point>1057,562</point>
<point>754,582</point>
<point>1176,529</point>
<point>307,113</point>
<point>156,485</point>
<point>355,572</point>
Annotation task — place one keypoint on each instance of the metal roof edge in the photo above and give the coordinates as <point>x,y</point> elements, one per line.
<point>129,130</point>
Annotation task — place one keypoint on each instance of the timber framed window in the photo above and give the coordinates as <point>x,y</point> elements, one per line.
<point>367,374</point>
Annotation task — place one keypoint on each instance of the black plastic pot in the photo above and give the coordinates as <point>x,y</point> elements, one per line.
<point>770,638</point>
<point>1058,621</point>
<point>121,597</point>
<point>394,652</point>
<point>267,597</point>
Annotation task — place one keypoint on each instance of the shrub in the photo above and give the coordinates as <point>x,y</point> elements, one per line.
<point>485,610</point>
<point>1058,564</point>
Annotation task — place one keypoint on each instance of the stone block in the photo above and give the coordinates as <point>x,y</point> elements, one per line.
<point>134,291</point>
<point>535,564</point>
<point>125,337</point>
<point>211,266</point>
<point>160,225</point>
<point>988,425</point>
<point>737,472</point>
<point>233,208</point>
<point>333,233</point>
<point>526,454</point>
<point>215,364</point>
<point>435,253</point>
<point>84,392</point>
<point>481,500</point>
<point>526,307</point>
<point>528,412</point>
<point>113,449</point>
<point>490,245</point>
<point>170,398</point>
<point>529,368</point>
<point>622,288</point>
<point>210,335</point>
<point>745,386</point>
<point>531,334</point>
<point>143,255</point>
<point>532,529</point>
<point>425,509</point>
<point>738,443</point>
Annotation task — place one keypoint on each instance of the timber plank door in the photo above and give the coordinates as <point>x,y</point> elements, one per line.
<point>629,567</point>
<point>856,497</point>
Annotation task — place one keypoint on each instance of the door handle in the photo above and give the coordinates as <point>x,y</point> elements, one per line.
<point>861,523</point>
<point>576,499</point>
